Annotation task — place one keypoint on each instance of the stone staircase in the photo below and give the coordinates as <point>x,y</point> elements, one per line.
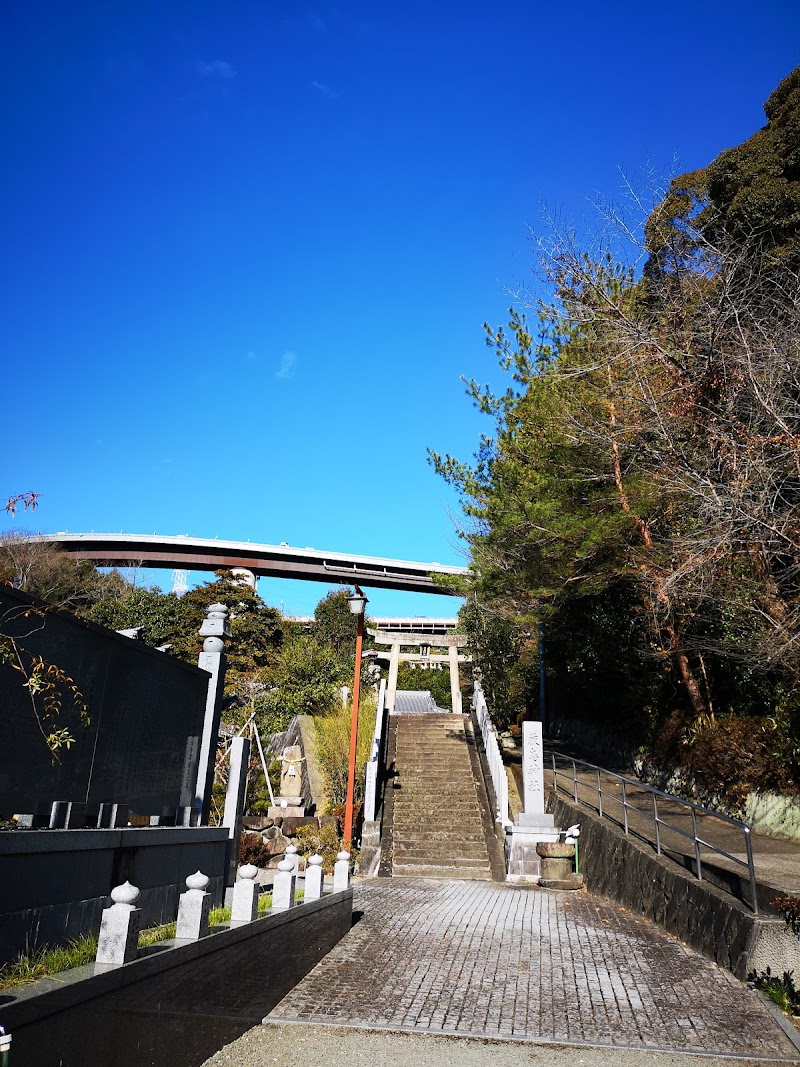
<point>437,822</point>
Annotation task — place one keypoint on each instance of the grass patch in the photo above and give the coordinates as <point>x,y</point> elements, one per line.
<point>154,934</point>
<point>48,960</point>
<point>782,991</point>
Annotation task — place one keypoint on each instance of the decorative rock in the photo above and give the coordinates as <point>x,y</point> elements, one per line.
<point>283,886</point>
<point>244,907</point>
<point>314,879</point>
<point>125,894</point>
<point>290,824</point>
<point>198,880</point>
<point>119,928</point>
<point>193,908</point>
<point>341,872</point>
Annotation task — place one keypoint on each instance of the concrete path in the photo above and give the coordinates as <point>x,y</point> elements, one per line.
<point>531,969</point>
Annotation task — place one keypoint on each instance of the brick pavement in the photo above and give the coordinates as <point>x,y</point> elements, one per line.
<point>482,959</point>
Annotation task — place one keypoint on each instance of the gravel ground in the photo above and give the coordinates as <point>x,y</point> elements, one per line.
<point>294,1045</point>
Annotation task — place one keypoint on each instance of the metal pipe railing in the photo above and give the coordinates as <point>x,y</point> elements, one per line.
<point>658,821</point>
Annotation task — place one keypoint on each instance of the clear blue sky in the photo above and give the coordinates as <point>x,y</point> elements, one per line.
<point>248,246</point>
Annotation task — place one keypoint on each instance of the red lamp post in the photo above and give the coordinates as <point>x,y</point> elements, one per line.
<point>357,604</point>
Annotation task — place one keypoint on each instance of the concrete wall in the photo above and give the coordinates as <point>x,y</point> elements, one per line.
<point>175,1004</point>
<point>628,872</point>
<point>54,884</point>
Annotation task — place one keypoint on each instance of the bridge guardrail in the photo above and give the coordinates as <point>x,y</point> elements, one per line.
<point>597,794</point>
<point>494,756</point>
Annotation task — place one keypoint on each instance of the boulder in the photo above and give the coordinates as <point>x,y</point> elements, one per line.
<point>291,823</point>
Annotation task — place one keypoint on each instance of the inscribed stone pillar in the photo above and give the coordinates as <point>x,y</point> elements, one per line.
<point>533,768</point>
<point>212,659</point>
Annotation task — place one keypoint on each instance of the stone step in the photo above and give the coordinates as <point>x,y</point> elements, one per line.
<point>409,840</point>
<point>422,870</point>
<point>458,857</point>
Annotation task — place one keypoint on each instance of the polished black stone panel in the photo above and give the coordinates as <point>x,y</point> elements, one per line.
<point>177,1005</point>
<point>146,712</point>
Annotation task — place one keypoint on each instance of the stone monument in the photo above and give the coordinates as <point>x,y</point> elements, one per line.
<point>289,803</point>
<point>533,824</point>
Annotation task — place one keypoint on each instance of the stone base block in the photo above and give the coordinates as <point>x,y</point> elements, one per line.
<point>522,860</point>
<point>290,811</point>
<point>572,881</point>
<point>536,820</point>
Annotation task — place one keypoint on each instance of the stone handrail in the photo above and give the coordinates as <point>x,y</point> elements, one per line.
<point>494,756</point>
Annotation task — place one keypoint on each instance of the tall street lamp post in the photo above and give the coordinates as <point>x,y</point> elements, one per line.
<point>357,604</point>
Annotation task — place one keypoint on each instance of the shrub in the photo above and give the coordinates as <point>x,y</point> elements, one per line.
<point>333,747</point>
<point>323,841</point>
<point>252,849</point>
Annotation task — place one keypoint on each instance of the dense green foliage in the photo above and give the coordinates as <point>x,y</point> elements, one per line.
<point>750,191</point>
<point>412,677</point>
<point>640,495</point>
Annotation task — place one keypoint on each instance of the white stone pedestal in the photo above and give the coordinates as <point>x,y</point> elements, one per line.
<point>523,863</point>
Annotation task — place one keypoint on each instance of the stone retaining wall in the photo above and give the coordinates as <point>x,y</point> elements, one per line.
<point>622,869</point>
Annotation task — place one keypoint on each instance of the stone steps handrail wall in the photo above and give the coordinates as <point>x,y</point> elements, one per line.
<point>494,756</point>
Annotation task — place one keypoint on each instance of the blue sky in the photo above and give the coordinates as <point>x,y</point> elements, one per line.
<point>249,246</point>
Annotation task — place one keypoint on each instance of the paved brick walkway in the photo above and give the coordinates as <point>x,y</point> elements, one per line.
<point>483,959</point>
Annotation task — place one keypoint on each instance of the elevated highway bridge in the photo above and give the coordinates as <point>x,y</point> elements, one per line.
<point>265,561</point>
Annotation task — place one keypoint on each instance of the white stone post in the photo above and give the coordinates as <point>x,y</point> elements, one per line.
<point>244,907</point>
<point>212,659</point>
<point>193,908</point>
<point>293,856</point>
<point>315,879</point>
<point>341,872</point>
<point>119,928</point>
<point>283,886</point>
<point>234,801</point>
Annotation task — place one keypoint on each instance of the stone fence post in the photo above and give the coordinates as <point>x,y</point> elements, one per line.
<point>314,879</point>
<point>193,909</point>
<point>341,872</point>
<point>244,907</point>
<point>119,928</point>
<point>283,886</point>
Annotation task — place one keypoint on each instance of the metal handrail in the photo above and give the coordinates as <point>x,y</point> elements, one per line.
<point>658,821</point>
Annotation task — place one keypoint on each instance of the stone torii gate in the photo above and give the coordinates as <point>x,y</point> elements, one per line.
<point>423,642</point>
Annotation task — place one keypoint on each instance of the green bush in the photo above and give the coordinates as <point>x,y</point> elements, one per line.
<point>323,841</point>
<point>333,747</point>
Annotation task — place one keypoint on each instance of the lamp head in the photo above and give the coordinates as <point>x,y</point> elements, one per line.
<point>357,602</point>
